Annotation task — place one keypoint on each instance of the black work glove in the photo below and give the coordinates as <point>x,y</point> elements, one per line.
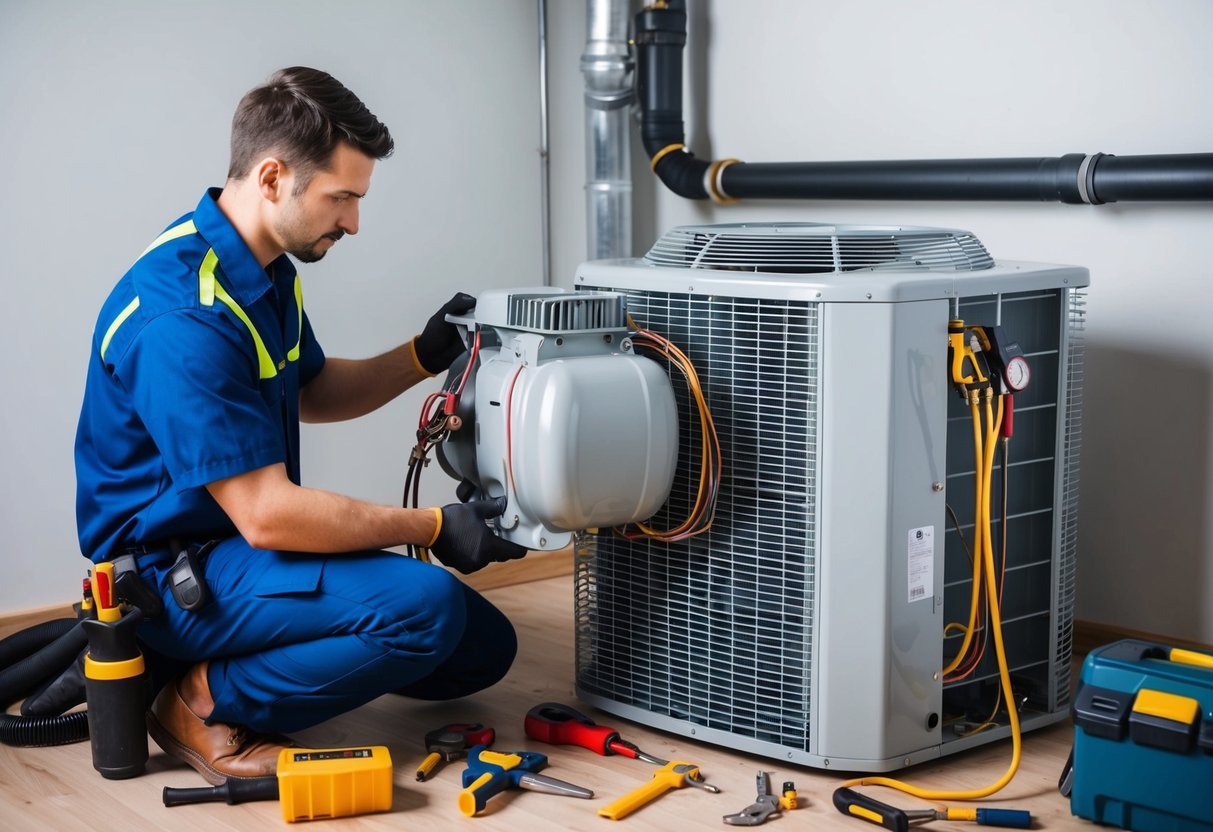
<point>466,543</point>
<point>439,343</point>
<point>467,491</point>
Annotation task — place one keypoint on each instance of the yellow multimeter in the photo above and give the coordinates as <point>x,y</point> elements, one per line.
<point>334,783</point>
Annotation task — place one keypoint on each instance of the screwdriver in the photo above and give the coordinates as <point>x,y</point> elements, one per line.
<point>857,805</point>
<point>559,724</point>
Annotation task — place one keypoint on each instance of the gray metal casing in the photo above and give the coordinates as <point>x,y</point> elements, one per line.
<point>573,427</point>
<point>818,653</point>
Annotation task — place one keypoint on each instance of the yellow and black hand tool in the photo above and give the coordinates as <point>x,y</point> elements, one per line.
<point>673,775</point>
<point>857,805</point>
<point>312,783</point>
<point>451,742</point>
<point>491,772</point>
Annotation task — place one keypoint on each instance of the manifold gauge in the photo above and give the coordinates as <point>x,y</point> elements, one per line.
<point>1018,373</point>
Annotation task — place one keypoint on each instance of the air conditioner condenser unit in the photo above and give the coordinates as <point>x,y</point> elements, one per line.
<point>808,624</point>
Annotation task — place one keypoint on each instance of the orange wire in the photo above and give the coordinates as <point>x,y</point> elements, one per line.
<point>509,430</point>
<point>712,461</point>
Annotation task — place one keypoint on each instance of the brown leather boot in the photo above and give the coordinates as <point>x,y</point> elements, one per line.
<point>218,751</point>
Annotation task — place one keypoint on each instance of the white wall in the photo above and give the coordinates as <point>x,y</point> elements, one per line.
<point>801,80</point>
<point>115,116</point>
<point>113,119</point>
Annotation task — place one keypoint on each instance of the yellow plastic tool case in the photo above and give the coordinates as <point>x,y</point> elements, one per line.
<point>1143,738</point>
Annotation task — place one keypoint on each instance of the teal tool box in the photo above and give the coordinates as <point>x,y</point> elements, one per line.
<point>1143,738</point>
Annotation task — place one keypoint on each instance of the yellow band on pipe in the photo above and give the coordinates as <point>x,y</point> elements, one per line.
<point>716,185</point>
<point>661,154</point>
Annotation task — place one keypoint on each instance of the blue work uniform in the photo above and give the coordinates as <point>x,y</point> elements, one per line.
<point>196,365</point>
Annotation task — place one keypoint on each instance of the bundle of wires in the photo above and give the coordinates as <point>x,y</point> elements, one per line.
<point>969,657</point>
<point>437,421</point>
<point>985,442</point>
<point>711,464</point>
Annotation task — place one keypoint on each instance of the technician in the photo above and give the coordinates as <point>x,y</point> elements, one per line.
<point>202,365</point>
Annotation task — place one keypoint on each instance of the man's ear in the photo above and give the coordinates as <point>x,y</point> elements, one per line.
<point>270,176</point>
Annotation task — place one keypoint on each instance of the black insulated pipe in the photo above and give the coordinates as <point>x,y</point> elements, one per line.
<point>1177,176</point>
<point>1044,179</point>
<point>660,35</point>
<point>1076,178</point>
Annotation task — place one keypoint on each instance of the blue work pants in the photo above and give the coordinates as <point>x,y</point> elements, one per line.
<point>295,639</point>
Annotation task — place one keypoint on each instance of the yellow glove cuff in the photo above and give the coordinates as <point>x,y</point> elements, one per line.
<point>416,362</point>
<point>437,526</point>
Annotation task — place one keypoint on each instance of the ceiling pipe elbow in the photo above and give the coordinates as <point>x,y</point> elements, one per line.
<point>660,35</point>
<point>1075,178</point>
<point>679,170</point>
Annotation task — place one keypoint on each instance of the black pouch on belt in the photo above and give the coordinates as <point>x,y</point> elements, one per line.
<point>185,578</point>
<point>131,588</point>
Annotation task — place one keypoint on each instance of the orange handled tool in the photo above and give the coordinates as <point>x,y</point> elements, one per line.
<point>673,775</point>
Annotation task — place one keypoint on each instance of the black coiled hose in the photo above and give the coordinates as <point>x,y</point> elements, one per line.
<point>31,658</point>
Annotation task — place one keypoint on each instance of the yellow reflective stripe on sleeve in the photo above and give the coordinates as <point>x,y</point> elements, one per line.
<point>209,288</point>
<point>206,278</point>
<point>173,233</point>
<point>293,353</point>
<point>122,316</point>
<point>177,231</point>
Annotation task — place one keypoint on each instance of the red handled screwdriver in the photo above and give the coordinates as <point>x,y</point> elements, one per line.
<point>559,724</point>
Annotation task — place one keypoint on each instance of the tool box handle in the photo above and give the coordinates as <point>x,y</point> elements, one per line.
<point>1136,650</point>
<point>1191,657</point>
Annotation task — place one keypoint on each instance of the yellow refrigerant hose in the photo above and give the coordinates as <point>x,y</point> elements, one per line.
<point>979,459</point>
<point>986,556</point>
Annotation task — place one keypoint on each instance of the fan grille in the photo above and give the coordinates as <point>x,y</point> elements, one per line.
<point>816,248</point>
<point>717,630</point>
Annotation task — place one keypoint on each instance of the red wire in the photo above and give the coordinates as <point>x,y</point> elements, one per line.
<point>467,371</point>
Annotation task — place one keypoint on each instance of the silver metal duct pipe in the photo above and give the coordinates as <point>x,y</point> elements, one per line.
<point>607,66</point>
<point>545,188</point>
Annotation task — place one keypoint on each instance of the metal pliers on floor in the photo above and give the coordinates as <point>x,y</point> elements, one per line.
<point>766,805</point>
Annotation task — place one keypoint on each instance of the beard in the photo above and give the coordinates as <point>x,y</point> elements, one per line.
<point>298,240</point>
<point>306,252</point>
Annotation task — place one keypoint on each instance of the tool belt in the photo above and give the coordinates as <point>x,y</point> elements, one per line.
<point>187,581</point>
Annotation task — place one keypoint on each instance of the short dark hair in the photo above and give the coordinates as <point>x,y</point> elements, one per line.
<point>301,114</point>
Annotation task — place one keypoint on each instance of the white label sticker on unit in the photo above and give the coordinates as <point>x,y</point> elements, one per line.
<point>922,563</point>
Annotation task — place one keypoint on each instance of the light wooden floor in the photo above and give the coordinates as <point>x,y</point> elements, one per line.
<point>56,788</point>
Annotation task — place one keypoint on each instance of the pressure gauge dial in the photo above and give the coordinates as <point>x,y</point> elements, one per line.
<point>1018,373</point>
